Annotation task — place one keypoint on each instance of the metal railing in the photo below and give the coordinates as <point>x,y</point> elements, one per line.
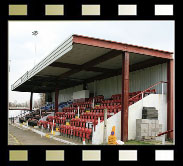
<point>142,92</point>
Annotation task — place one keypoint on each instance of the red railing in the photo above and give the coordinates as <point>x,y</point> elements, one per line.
<point>166,132</point>
<point>147,89</point>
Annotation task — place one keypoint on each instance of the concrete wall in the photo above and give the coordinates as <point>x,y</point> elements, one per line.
<point>135,112</point>
<point>115,120</point>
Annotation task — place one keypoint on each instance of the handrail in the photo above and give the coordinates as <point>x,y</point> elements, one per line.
<point>147,89</point>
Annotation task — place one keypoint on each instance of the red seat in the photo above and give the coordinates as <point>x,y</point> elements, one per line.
<point>81,116</point>
<point>88,134</point>
<point>108,115</point>
<point>153,91</point>
<point>71,122</point>
<point>61,129</point>
<point>45,123</point>
<point>84,122</point>
<point>80,132</point>
<point>80,122</point>
<point>92,115</point>
<point>77,122</point>
<point>66,129</point>
<point>92,120</point>
<point>74,131</point>
<point>95,122</point>
<point>84,132</point>
<point>77,131</point>
<point>69,131</point>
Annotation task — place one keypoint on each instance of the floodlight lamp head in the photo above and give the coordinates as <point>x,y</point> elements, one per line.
<point>35,33</point>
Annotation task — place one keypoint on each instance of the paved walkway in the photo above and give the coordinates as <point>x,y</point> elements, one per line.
<point>18,136</point>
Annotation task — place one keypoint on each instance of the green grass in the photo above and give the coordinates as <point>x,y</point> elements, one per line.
<point>147,142</point>
<point>133,142</point>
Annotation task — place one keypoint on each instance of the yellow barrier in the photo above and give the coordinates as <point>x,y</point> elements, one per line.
<point>53,132</point>
<point>67,123</point>
<point>47,136</point>
<point>57,129</point>
<point>112,138</point>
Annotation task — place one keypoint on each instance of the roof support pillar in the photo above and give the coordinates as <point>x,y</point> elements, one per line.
<point>56,99</point>
<point>31,98</point>
<point>85,87</point>
<point>170,97</point>
<point>124,96</point>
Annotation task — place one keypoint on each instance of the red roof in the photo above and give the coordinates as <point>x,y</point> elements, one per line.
<point>114,42</point>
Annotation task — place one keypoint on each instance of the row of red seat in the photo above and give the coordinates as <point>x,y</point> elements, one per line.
<point>149,91</point>
<point>77,132</point>
<point>73,109</point>
<point>67,115</point>
<point>79,122</point>
<point>93,115</point>
<point>60,120</point>
<point>81,103</point>
<point>50,118</point>
<point>85,105</point>
<point>107,107</point>
<point>60,114</point>
<point>133,99</point>
<point>131,94</point>
<point>115,110</point>
<point>78,126</point>
<point>111,101</point>
<point>116,96</point>
<point>45,124</point>
<point>97,99</point>
<point>110,104</point>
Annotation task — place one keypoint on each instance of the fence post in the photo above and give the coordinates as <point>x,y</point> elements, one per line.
<point>105,127</point>
<point>52,126</point>
<point>78,111</point>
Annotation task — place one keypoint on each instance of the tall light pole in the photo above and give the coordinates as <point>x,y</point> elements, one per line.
<point>9,65</point>
<point>35,33</point>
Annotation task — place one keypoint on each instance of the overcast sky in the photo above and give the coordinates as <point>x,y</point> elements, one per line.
<point>154,34</point>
